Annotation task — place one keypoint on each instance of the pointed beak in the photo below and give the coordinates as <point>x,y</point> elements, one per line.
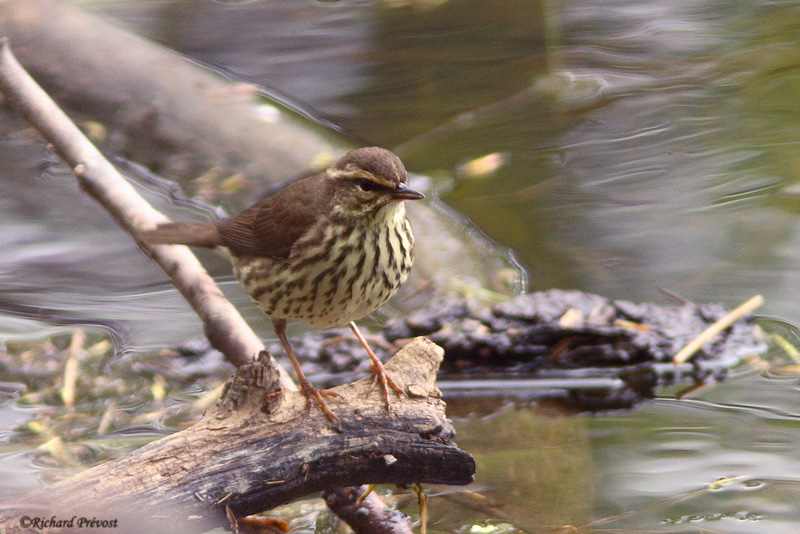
<point>404,193</point>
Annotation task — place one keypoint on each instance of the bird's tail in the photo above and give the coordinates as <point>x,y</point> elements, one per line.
<point>191,234</point>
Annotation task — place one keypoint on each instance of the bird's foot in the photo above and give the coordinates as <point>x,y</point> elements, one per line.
<point>312,393</point>
<point>386,381</point>
<point>378,370</point>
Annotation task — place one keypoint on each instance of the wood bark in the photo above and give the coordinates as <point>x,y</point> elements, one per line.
<point>260,447</point>
<point>371,516</point>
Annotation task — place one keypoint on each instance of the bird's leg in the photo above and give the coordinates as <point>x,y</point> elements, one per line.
<point>308,389</point>
<point>377,368</point>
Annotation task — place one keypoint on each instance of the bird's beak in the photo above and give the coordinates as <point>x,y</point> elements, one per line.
<point>404,193</point>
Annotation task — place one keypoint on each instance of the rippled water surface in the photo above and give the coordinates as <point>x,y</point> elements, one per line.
<point>632,146</point>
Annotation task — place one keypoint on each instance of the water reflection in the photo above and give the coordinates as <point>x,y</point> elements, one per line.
<point>717,467</point>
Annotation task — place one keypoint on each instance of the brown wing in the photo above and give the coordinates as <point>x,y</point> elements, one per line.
<point>271,227</point>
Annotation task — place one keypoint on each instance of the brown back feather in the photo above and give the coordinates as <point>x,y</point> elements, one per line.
<point>272,226</point>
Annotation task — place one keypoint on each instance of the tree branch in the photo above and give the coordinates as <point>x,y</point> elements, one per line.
<point>226,329</point>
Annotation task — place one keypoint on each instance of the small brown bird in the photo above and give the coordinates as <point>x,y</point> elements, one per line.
<point>328,249</point>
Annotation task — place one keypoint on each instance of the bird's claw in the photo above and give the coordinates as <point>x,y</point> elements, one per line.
<point>380,376</point>
<point>317,395</point>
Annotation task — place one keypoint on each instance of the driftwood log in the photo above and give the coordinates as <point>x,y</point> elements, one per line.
<point>260,447</point>
<point>187,119</point>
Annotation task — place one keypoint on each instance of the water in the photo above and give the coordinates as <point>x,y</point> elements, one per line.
<point>640,145</point>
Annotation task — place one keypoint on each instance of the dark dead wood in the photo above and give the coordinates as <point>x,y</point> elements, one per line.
<point>371,516</point>
<point>259,448</point>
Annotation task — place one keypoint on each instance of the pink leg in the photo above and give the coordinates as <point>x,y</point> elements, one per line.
<point>377,368</point>
<point>308,389</point>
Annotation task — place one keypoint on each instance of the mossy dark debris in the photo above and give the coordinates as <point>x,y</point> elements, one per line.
<point>593,353</point>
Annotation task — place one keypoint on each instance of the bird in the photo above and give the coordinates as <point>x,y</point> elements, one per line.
<point>326,250</point>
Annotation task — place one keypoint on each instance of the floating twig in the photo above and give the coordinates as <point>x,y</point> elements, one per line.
<point>697,343</point>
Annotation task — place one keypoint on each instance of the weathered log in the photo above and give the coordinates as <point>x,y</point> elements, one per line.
<point>157,106</point>
<point>260,447</point>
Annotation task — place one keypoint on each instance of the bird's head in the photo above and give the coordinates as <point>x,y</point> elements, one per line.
<point>370,180</point>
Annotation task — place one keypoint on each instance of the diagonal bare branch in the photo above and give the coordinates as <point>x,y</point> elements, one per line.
<point>226,329</point>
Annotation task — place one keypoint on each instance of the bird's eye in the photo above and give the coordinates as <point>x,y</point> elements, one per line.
<point>367,185</point>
